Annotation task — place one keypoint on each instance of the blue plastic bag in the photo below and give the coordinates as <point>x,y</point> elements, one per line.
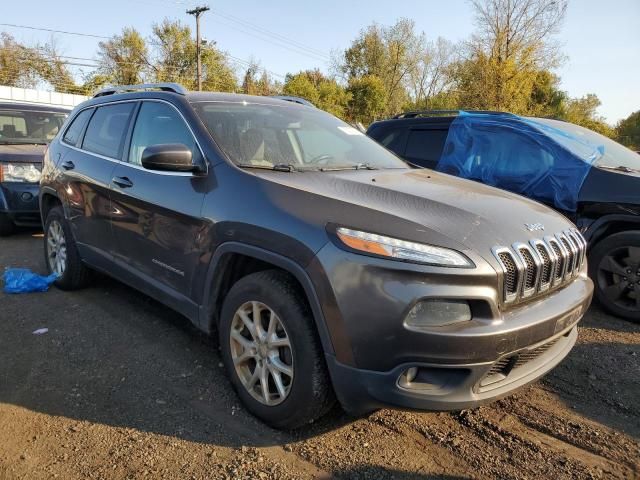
<point>22,280</point>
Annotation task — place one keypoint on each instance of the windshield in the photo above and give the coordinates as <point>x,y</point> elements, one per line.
<point>28,126</point>
<point>580,141</point>
<point>267,136</point>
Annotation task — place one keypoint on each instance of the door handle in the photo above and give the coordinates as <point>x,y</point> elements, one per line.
<point>68,165</point>
<point>122,182</point>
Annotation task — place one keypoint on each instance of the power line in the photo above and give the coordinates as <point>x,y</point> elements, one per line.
<point>53,31</point>
<point>224,54</point>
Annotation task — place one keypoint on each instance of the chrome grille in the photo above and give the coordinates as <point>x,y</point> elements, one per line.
<point>547,265</point>
<point>530,269</point>
<point>511,277</point>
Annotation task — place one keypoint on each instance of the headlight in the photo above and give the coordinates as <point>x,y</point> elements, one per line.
<point>401,249</point>
<point>20,172</point>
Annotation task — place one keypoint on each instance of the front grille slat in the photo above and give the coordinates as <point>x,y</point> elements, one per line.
<point>530,269</point>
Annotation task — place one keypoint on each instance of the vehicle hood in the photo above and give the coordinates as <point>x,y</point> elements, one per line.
<point>419,205</point>
<point>610,186</point>
<point>22,153</point>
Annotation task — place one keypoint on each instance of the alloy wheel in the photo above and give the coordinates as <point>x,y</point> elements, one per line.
<point>619,277</point>
<point>56,248</point>
<point>261,353</point>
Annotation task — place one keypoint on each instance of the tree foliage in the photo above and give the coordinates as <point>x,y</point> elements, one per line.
<point>368,98</point>
<point>322,91</point>
<point>507,64</point>
<point>174,59</point>
<point>628,131</point>
<point>124,58</point>
<point>512,44</point>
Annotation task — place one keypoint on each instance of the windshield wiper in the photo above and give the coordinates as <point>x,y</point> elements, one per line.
<point>620,168</point>
<point>357,166</point>
<point>278,167</point>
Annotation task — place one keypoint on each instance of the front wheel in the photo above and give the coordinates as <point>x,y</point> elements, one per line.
<point>272,353</point>
<point>614,266</point>
<point>61,254</point>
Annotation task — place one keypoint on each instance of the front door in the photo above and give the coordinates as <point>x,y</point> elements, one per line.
<point>155,214</point>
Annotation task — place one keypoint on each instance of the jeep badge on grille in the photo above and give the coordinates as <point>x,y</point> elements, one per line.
<point>534,227</point>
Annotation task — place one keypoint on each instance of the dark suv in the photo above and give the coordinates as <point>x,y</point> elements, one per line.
<point>591,179</point>
<point>25,130</point>
<point>326,265</point>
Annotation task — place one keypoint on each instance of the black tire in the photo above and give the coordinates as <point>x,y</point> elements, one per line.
<point>6,225</point>
<point>76,275</point>
<point>310,395</point>
<point>614,266</point>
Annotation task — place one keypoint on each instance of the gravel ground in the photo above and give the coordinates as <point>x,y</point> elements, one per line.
<point>121,387</point>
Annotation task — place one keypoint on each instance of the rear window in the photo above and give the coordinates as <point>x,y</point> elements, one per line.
<point>106,130</point>
<point>72,135</point>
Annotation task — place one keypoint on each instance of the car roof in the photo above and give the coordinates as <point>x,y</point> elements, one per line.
<point>434,117</point>
<point>33,107</point>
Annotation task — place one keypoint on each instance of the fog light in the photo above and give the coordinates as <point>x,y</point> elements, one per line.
<point>437,313</point>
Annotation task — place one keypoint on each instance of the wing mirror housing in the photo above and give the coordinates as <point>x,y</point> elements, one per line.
<point>169,157</point>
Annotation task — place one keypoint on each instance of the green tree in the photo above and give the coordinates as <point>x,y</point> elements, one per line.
<point>325,93</point>
<point>391,53</point>
<point>368,97</point>
<point>175,59</point>
<point>256,81</point>
<point>628,131</point>
<point>19,65</point>
<point>583,111</point>
<point>513,42</point>
<point>123,59</point>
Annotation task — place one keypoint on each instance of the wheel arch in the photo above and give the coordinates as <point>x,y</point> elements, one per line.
<point>609,225</point>
<point>48,199</point>
<point>222,274</point>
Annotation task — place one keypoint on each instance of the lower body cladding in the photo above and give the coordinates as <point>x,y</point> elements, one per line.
<point>390,363</point>
<point>19,203</point>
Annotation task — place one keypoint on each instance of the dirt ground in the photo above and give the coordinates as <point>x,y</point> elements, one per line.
<point>121,387</point>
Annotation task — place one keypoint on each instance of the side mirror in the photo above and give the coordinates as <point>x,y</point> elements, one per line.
<point>171,157</point>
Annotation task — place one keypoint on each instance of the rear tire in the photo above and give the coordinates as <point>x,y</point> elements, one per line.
<point>292,399</point>
<point>6,225</point>
<point>61,254</point>
<point>614,266</point>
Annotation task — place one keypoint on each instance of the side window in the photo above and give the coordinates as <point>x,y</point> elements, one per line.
<point>159,123</point>
<point>72,135</point>
<point>511,160</point>
<point>107,129</point>
<point>424,147</point>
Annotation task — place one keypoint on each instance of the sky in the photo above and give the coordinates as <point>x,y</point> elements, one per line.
<point>601,39</point>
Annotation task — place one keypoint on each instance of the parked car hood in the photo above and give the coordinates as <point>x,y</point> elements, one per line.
<point>22,153</point>
<point>610,186</point>
<point>420,205</point>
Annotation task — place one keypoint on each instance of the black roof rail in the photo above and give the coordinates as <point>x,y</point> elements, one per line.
<point>165,87</point>
<point>433,113</point>
<point>292,99</point>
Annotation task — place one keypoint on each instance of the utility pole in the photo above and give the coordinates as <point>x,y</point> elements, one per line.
<point>196,12</point>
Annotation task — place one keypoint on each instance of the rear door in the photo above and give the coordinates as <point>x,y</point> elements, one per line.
<point>156,215</point>
<point>95,141</point>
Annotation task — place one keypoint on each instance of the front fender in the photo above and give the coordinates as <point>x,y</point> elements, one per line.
<point>215,271</point>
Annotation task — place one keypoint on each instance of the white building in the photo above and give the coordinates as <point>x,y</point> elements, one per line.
<point>28,95</point>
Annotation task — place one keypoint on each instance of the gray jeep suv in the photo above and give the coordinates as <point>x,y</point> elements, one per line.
<point>327,266</point>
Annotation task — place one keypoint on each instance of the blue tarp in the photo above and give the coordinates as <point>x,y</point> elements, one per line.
<point>519,154</point>
<point>22,280</point>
